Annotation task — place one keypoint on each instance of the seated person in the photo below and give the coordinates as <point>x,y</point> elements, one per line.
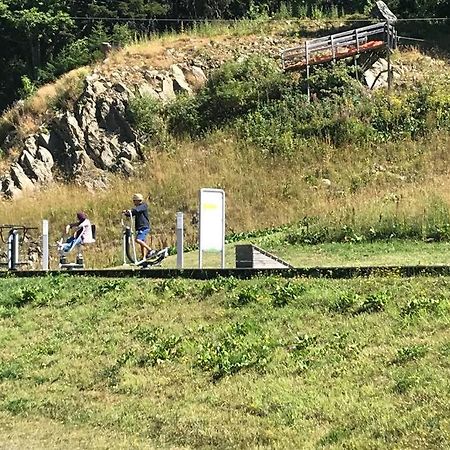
<point>82,235</point>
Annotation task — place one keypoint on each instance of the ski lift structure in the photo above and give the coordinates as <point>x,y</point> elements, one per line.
<point>363,44</point>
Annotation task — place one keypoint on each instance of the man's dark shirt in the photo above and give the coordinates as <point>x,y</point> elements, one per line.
<point>141,217</point>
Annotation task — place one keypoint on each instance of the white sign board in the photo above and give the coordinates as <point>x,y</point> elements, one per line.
<point>212,223</point>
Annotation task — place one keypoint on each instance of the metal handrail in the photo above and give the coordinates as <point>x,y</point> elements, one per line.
<point>355,37</point>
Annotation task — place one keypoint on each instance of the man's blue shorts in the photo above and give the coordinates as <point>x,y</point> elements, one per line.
<point>142,234</point>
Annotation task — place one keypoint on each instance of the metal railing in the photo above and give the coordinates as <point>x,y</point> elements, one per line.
<point>339,45</point>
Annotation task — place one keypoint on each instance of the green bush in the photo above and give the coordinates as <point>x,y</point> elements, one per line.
<point>373,303</point>
<point>412,353</point>
<point>232,91</point>
<point>345,303</point>
<point>145,115</point>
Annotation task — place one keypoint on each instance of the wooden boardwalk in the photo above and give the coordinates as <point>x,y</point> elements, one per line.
<point>339,46</point>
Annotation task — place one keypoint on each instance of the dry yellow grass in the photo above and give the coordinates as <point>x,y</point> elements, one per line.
<point>261,192</point>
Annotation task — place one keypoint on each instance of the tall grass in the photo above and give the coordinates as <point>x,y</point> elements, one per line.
<point>350,166</point>
<point>343,192</point>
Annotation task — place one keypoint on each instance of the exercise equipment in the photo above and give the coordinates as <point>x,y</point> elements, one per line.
<point>16,236</point>
<point>66,247</point>
<point>129,247</point>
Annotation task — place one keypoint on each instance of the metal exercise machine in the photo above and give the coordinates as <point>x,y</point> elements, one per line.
<point>129,247</point>
<point>78,246</point>
<point>14,236</point>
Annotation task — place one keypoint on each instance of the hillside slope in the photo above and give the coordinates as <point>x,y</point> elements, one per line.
<point>337,166</point>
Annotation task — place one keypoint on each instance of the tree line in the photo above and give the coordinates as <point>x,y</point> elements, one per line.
<point>43,39</point>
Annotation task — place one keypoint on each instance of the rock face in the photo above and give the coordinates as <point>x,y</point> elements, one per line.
<point>96,137</point>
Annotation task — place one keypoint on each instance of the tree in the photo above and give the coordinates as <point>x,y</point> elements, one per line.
<point>39,25</point>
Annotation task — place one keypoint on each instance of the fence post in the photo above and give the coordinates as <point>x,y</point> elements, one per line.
<point>389,55</point>
<point>45,245</point>
<point>180,239</point>
<point>13,249</point>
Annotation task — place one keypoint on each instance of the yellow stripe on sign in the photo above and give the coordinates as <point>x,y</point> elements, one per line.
<point>210,206</point>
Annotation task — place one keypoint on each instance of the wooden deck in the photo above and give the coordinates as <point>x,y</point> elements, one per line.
<point>340,54</point>
<point>339,46</point>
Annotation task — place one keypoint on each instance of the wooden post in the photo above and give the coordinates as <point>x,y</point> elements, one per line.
<point>333,50</point>
<point>308,91</point>
<point>388,39</point>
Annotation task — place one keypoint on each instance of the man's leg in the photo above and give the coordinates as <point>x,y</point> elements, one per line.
<point>144,247</point>
<point>141,235</point>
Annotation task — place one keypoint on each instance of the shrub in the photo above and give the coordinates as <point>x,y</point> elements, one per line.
<point>246,295</point>
<point>172,287</point>
<point>159,346</point>
<point>285,294</point>
<point>216,285</point>
<point>232,91</point>
<point>145,115</point>
<point>417,305</point>
<point>232,351</point>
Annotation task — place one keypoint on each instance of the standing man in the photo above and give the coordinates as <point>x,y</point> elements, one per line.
<point>141,223</point>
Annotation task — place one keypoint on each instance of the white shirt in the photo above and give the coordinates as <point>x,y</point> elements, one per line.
<point>86,234</point>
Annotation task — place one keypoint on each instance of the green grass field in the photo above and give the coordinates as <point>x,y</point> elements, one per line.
<point>381,253</point>
<point>265,363</point>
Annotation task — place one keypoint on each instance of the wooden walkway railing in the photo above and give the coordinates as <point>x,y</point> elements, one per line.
<point>339,45</point>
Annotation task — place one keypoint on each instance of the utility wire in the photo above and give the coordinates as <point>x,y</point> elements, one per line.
<point>190,19</point>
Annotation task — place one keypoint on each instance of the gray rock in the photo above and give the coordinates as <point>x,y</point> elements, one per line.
<point>36,169</point>
<point>179,81</point>
<point>45,156</point>
<point>43,140</point>
<point>30,145</point>
<point>377,75</point>
<point>120,87</point>
<point>21,181</point>
<point>167,92</point>
<point>10,190</point>
<point>129,151</point>
<point>126,167</point>
<point>145,90</point>
<point>195,76</point>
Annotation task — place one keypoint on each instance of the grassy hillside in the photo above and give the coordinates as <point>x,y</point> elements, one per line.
<point>350,166</point>
<point>268,363</point>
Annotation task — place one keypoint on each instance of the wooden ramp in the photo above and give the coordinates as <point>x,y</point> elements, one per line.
<point>340,45</point>
<point>250,256</point>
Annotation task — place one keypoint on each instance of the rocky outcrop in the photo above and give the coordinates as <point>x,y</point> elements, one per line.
<point>95,137</point>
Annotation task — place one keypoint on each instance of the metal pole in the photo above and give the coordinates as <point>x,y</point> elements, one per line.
<point>180,240</point>
<point>10,250</point>
<point>200,251</point>
<point>223,232</point>
<point>45,245</point>
<point>124,244</point>
<point>13,249</point>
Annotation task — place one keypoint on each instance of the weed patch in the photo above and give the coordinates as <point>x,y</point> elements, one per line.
<point>411,353</point>
<point>345,303</point>
<point>246,295</point>
<point>417,306</point>
<point>234,350</point>
<point>287,293</point>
